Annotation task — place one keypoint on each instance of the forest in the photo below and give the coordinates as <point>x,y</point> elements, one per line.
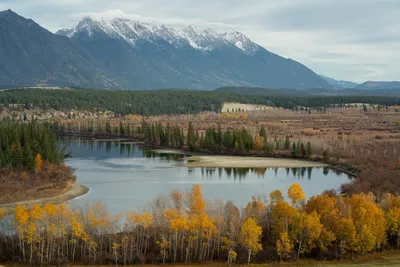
<point>29,158</point>
<point>212,140</point>
<point>22,145</point>
<point>158,102</point>
<point>183,227</point>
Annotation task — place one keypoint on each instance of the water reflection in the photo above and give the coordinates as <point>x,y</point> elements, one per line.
<point>239,174</point>
<point>107,148</point>
<point>125,175</point>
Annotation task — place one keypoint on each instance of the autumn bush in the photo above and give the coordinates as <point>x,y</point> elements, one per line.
<point>184,228</point>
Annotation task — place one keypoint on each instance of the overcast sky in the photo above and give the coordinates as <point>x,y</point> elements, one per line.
<point>354,40</point>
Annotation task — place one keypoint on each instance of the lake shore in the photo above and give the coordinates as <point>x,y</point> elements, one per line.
<point>76,190</point>
<point>248,162</point>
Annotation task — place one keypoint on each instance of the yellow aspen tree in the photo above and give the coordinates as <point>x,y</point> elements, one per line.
<point>164,245</point>
<point>369,221</point>
<point>345,233</point>
<point>258,142</point>
<point>115,251</point>
<point>196,205</point>
<point>38,162</point>
<point>283,246</point>
<point>231,257</point>
<point>275,197</point>
<point>326,207</point>
<point>307,231</point>
<point>249,237</point>
<point>296,194</point>
<point>22,217</point>
<point>393,222</point>
<point>2,213</point>
<point>283,215</point>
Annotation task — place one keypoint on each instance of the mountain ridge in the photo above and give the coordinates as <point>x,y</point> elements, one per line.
<point>379,85</point>
<point>125,54</point>
<point>188,57</point>
<point>339,84</point>
<point>31,55</point>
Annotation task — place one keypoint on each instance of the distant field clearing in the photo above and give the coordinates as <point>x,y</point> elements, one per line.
<point>237,107</point>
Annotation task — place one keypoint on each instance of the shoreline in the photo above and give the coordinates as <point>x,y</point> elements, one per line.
<point>76,190</point>
<point>211,161</point>
<point>347,169</point>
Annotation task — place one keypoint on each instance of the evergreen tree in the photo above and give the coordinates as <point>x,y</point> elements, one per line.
<point>294,150</point>
<point>303,150</point>
<point>191,138</point>
<point>309,151</point>
<point>287,142</point>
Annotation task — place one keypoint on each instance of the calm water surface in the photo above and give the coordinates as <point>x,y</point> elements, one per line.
<point>126,177</point>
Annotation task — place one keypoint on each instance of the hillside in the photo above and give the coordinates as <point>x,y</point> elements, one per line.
<point>124,54</point>
<point>31,55</point>
<point>379,85</point>
<point>309,92</point>
<point>339,84</point>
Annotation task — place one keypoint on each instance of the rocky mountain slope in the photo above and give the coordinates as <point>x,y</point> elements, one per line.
<point>125,54</point>
<point>31,55</point>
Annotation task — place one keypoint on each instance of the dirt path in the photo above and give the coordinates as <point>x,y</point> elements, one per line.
<point>75,191</point>
<point>247,162</point>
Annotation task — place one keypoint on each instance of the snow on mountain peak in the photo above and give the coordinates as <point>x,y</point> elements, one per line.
<point>241,41</point>
<point>132,31</point>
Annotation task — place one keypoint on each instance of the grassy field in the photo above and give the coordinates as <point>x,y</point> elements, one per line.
<point>376,259</point>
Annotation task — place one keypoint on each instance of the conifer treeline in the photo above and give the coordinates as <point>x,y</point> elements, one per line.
<point>183,228</point>
<point>157,102</point>
<point>24,144</point>
<point>215,140</point>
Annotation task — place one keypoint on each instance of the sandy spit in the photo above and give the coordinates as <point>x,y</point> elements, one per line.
<point>75,191</point>
<point>169,151</point>
<point>247,162</point>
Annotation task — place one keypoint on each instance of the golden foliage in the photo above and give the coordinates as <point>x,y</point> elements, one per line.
<point>38,162</point>
<point>283,245</point>
<point>295,193</point>
<point>2,213</point>
<point>185,228</point>
<point>250,235</point>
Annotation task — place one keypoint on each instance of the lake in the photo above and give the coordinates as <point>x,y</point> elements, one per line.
<point>126,176</point>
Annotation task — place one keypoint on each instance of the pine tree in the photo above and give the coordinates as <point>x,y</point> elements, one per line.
<point>309,151</point>
<point>287,142</point>
<point>191,138</point>
<point>303,150</point>
<point>294,150</point>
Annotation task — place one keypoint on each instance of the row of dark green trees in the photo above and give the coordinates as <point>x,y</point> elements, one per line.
<point>20,143</point>
<point>214,140</point>
<point>157,102</point>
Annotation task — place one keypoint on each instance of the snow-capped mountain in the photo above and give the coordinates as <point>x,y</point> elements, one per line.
<point>126,54</point>
<point>142,55</point>
<point>133,31</point>
<point>241,41</point>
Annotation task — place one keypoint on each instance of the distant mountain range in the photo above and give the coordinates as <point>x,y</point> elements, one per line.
<point>394,92</point>
<point>124,54</point>
<point>339,84</point>
<point>379,85</point>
